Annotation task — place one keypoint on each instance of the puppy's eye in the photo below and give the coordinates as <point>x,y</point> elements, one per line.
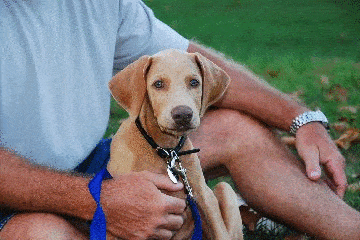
<point>194,83</point>
<point>158,84</point>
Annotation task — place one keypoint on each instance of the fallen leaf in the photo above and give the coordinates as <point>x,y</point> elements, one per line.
<point>338,93</point>
<point>354,187</point>
<point>340,126</point>
<point>347,138</point>
<point>344,119</point>
<point>351,109</point>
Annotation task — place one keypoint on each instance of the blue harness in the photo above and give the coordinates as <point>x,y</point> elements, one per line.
<point>98,224</point>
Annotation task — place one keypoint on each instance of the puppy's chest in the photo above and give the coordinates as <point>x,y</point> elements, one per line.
<point>139,156</point>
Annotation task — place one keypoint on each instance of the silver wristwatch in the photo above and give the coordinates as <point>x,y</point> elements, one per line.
<point>307,117</point>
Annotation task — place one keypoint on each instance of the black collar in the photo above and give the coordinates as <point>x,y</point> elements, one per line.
<point>164,152</point>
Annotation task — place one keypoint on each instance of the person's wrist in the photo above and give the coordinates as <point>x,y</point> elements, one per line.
<point>79,202</point>
<point>308,117</point>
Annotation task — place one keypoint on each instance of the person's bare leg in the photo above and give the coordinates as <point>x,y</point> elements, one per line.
<point>40,226</point>
<point>270,178</point>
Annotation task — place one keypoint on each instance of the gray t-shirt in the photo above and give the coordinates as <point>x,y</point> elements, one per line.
<point>56,58</point>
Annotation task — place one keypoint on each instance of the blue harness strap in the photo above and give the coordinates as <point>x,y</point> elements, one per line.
<point>98,224</point>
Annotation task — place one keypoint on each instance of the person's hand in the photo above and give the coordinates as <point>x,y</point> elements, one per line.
<point>135,207</point>
<point>316,148</point>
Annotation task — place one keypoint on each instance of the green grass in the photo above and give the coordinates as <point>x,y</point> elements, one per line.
<point>293,44</point>
<point>266,29</point>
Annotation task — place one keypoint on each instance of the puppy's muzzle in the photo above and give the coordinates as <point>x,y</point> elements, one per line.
<point>182,116</point>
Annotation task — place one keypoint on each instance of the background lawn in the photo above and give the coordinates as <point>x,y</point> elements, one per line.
<point>310,48</point>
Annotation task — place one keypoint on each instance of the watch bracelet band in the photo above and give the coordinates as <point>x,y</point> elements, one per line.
<point>307,117</point>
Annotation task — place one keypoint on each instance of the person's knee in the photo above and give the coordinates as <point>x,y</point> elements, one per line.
<point>39,226</point>
<point>228,137</point>
<point>238,131</point>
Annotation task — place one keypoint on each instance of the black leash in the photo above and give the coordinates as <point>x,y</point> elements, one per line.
<point>164,152</point>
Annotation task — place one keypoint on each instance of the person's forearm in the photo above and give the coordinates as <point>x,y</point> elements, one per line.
<point>25,187</point>
<point>250,94</point>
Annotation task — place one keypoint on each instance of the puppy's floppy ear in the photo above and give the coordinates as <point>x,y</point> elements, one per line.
<point>128,87</point>
<point>215,81</point>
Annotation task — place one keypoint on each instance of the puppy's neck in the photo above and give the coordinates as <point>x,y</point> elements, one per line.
<point>152,128</point>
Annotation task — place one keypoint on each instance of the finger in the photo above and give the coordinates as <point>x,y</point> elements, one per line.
<point>312,162</point>
<point>338,180</point>
<point>163,182</point>
<point>174,205</point>
<point>330,183</point>
<point>341,189</point>
<point>172,222</point>
<point>162,233</point>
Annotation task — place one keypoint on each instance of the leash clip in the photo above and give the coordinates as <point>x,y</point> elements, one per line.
<point>176,170</point>
<point>171,166</point>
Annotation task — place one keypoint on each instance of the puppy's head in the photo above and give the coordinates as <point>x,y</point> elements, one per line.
<point>180,86</point>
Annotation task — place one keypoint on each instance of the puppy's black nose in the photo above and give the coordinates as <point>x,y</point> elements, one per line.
<point>182,115</point>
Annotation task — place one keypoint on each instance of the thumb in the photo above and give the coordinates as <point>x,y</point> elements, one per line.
<point>163,182</point>
<point>312,163</point>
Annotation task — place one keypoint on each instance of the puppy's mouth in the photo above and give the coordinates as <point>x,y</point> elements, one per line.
<point>177,130</point>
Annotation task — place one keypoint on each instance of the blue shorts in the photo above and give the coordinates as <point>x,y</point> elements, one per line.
<point>97,160</point>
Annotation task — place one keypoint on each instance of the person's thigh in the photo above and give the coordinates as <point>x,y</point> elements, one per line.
<point>270,177</point>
